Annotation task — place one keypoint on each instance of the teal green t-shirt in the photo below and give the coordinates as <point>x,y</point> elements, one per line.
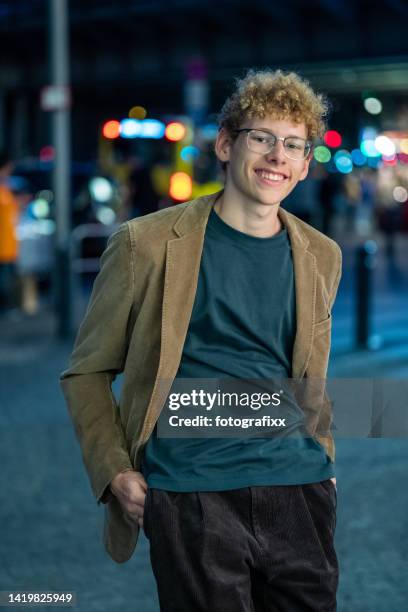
<point>243,325</point>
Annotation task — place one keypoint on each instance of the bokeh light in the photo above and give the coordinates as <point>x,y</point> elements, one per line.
<point>40,208</point>
<point>404,145</point>
<point>101,189</point>
<point>111,129</point>
<point>181,186</point>
<point>47,154</point>
<point>45,194</point>
<point>400,194</point>
<point>358,158</point>
<point>137,112</point>
<point>369,149</point>
<point>384,145</point>
<point>343,161</point>
<point>105,215</point>
<point>152,128</point>
<point>332,139</point>
<point>130,128</point>
<point>146,128</point>
<point>189,153</point>
<point>322,154</point>
<point>175,131</point>
<point>368,133</point>
<point>373,106</point>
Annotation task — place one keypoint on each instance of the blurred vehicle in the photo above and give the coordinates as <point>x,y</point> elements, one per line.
<point>34,176</point>
<point>171,158</point>
<point>94,200</point>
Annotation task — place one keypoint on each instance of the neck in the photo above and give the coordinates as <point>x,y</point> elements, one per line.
<point>260,220</point>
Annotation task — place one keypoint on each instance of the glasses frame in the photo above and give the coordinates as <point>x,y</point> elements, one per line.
<point>308,143</point>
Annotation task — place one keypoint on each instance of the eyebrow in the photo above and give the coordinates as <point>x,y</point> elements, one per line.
<point>261,129</point>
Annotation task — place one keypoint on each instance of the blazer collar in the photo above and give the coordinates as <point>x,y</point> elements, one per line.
<point>196,213</point>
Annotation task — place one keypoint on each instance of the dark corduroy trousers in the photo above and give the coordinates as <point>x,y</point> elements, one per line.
<point>255,549</point>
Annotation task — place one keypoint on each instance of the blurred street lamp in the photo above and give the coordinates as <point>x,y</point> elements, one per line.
<point>56,99</point>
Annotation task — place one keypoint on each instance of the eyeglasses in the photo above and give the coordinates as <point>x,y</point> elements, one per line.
<point>262,142</point>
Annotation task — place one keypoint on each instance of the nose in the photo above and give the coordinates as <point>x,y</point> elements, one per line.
<point>277,153</point>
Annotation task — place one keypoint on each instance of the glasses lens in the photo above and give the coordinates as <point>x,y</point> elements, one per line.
<point>296,148</point>
<point>260,142</point>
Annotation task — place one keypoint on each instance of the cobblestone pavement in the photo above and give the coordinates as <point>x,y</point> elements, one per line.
<point>51,526</point>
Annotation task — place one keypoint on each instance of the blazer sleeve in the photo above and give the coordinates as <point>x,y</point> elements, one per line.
<point>98,356</point>
<point>323,431</point>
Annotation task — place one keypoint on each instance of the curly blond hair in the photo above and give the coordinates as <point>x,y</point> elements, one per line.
<point>279,95</point>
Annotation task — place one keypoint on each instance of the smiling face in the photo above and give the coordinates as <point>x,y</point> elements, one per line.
<point>261,179</point>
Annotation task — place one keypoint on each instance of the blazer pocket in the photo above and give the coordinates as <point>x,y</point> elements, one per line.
<point>323,326</point>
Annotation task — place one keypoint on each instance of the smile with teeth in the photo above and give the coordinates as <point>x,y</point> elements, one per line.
<point>270,176</point>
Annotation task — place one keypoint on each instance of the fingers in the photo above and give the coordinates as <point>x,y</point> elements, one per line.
<point>132,482</point>
<point>130,488</point>
<point>134,509</point>
<point>136,514</point>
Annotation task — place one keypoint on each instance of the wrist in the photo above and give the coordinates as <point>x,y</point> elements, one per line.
<point>116,480</point>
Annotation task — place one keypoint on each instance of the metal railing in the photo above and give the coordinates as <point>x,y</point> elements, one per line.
<point>78,264</point>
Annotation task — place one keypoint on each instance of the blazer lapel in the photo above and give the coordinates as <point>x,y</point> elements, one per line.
<point>183,257</point>
<point>182,268</point>
<point>305,271</point>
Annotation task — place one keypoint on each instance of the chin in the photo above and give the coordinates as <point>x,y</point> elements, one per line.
<point>264,200</point>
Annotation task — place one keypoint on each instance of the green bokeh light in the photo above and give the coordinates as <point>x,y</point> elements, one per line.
<point>322,154</point>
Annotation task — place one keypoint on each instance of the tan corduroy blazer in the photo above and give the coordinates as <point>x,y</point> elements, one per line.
<point>136,323</point>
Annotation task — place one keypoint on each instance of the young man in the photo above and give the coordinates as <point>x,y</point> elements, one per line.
<point>226,286</point>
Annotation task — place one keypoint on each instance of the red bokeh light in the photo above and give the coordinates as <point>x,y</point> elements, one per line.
<point>332,138</point>
<point>47,153</point>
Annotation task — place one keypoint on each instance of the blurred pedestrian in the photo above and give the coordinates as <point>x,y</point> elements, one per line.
<point>9,213</point>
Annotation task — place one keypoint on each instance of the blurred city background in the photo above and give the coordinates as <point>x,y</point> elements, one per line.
<point>107,112</point>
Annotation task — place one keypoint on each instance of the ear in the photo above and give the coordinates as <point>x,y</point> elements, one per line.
<point>222,145</point>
